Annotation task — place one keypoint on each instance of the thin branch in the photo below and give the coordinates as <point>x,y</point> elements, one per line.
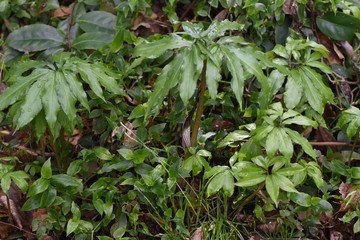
<point>21,229</point>
<point>333,144</point>
<point>29,151</point>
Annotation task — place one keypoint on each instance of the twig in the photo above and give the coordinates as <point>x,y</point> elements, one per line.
<point>333,144</point>
<point>29,151</point>
<point>21,229</point>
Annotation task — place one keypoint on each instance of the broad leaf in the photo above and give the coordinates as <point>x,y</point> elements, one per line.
<point>35,37</point>
<point>293,90</point>
<point>157,48</point>
<point>223,180</point>
<point>272,188</point>
<point>284,183</point>
<point>251,181</point>
<point>98,21</point>
<point>339,26</point>
<point>92,40</point>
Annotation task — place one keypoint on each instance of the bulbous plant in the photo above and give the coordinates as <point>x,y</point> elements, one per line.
<point>201,54</point>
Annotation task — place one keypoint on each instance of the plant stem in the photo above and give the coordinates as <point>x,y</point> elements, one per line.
<point>353,148</point>
<point>250,197</point>
<point>200,106</point>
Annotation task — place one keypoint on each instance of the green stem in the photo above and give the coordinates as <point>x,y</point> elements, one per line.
<point>250,197</point>
<point>353,147</point>
<point>200,107</point>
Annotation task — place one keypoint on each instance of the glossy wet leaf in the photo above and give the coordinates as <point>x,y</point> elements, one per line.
<point>339,26</point>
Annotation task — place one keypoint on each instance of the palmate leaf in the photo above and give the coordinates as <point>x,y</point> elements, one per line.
<point>13,93</point>
<point>50,96</point>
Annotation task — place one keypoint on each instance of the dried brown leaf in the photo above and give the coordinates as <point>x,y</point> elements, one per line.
<point>62,12</point>
<point>198,234</point>
<point>290,7</point>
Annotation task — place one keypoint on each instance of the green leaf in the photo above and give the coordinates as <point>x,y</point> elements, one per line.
<point>19,178</point>
<point>191,69</point>
<point>108,82</point>
<point>50,101</point>
<point>63,180</point>
<point>234,136</point>
<point>48,197</point>
<point>89,77</point>
<point>158,47</point>
<point>251,180</point>
<point>76,88</point>
<point>272,188</point>
<point>297,138</point>
<point>357,226</point>
<point>92,40</point>
<point>284,183</point>
<point>46,171</point>
<point>355,172</point>
<point>103,153</point>
<point>312,93</point>
<point>302,199</point>
<point>217,29</point>
<point>301,120</point>
<point>289,171</point>
<point>32,105</point>
<point>98,21</point>
<point>12,93</point>
<point>65,97</point>
<point>5,183</point>
<point>236,69</point>
<point>35,37</point>
<point>272,143</point>
<point>38,186</point>
<point>71,226</point>
<point>32,203</point>
<point>168,79</point>
<point>339,26</point>
<point>223,180</point>
<point>213,75</point>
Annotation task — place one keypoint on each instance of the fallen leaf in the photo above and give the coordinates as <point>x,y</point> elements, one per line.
<point>345,190</point>
<point>62,12</point>
<point>290,7</point>
<point>198,234</point>
<point>269,227</point>
<point>335,235</point>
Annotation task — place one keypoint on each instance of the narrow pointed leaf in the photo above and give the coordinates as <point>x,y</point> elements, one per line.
<point>191,69</point>
<point>12,93</point>
<point>76,88</point>
<point>236,69</point>
<point>89,77</point>
<point>272,188</point>
<point>297,138</point>
<point>50,101</point>
<point>284,183</point>
<point>251,181</point>
<point>168,79</point>
<point>66,98</point>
